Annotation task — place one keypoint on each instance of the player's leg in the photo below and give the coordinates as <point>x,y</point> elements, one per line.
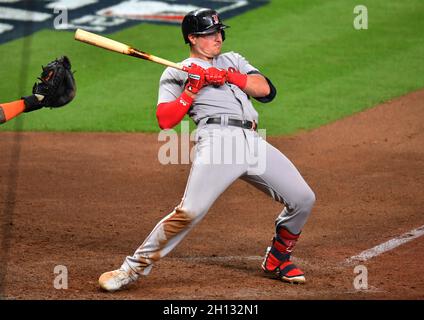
<point>205,184</point>
<point>281,180</point>
<point>207,180</point>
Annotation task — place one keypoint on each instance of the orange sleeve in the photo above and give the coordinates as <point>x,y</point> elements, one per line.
<point>11,109</point>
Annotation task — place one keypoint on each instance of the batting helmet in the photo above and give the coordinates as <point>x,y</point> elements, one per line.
<point>202,21</point>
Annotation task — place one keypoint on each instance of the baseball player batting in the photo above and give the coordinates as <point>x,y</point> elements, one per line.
<point>215,92</point>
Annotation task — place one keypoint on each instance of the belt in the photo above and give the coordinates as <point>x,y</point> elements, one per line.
<point>245,124</point>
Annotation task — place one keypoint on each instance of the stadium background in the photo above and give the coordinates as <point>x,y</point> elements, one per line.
<point>86,199</point>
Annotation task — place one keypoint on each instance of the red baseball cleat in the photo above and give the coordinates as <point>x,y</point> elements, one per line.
<point>286,270</point>
<point>277,258</point>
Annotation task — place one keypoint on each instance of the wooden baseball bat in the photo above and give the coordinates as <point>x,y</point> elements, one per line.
<point>112,45</point>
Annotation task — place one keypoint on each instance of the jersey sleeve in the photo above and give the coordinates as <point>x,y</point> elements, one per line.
<point>244,66</point>
<point>171,85</point>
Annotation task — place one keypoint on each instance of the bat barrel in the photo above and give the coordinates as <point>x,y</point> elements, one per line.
<point>99,41</point>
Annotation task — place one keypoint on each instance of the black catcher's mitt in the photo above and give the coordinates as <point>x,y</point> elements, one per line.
<point>56,87</point>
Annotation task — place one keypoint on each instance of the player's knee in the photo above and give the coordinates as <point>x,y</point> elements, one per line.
<point>310,199</point>
<point>190,213</point>
<point>305,201</point>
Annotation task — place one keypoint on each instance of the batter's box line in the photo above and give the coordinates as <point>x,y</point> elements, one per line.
<point>218,258</point>
<point>385,247</point>
<point>229,259</point>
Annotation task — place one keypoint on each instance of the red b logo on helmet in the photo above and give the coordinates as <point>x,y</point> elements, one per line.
<point>215,19</point>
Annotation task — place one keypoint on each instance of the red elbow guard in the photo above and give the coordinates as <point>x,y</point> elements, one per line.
<point>169,114</point>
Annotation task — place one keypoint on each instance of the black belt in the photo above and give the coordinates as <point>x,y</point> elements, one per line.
<point>245,124</point>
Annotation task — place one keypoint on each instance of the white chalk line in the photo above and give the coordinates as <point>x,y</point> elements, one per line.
<point>386,246</point>
<point>362,257</point>
<point>219,258</point>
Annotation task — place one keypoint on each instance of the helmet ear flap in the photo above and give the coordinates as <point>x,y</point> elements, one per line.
<point>223,34</point>
<point>195,23</point>
<point>195,26</point>
<point>189,26</point>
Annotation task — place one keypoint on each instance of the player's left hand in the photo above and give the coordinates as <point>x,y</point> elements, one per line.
<point>215,76</point>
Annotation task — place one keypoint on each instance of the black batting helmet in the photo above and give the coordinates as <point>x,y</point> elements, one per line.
<point>202,21</point>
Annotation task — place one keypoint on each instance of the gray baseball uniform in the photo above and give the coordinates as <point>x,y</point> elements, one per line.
<point>223,153</point>
<point>210,101</point>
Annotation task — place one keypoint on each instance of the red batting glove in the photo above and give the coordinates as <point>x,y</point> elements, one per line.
<point>215,76</point>
<point>196,78</point>
<point>237,78</point>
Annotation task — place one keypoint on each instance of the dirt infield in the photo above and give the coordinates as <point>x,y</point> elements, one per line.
<point>86,201</point>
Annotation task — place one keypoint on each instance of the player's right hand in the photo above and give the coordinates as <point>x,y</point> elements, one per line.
<point>196,78</point>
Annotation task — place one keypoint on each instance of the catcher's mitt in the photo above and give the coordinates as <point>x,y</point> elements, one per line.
<point>56,87</point>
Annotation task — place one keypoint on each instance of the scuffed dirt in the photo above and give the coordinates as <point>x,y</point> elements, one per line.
<point>85,201</point>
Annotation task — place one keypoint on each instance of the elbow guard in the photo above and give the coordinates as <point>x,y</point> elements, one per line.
<point>271,95</point>
<point>272,90</point>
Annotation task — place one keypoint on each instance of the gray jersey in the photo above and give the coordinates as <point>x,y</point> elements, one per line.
<point>211,101</point>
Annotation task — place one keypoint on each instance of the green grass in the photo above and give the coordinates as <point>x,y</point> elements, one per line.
<point>322,67</point>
